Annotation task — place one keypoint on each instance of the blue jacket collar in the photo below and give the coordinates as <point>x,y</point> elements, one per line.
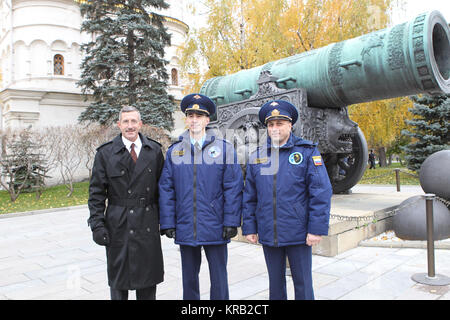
<point>209,138</point>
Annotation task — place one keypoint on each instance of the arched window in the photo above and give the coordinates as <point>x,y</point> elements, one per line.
<point>58,65</point>
<point>174,77</point>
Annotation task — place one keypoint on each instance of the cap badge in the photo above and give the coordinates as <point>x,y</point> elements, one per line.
<point>274,103</point>
<point>197,97</point>
<point>195,107</point>
<point>275,113</point>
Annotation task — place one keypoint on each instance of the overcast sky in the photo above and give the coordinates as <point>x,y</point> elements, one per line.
<point>411,8</point>
<point>406,12</point>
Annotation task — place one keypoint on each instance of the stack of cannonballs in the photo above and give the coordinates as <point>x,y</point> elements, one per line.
<point>410,221</point>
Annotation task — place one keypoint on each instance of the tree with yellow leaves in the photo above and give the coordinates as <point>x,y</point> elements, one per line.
<point>382,122</point>
<point>311,24</point>
<point>241,34</point>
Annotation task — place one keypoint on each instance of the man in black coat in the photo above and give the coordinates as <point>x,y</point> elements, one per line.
<point>125,173</point>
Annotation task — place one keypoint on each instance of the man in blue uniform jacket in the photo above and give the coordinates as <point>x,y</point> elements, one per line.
<point>286,202</point>
<point>201,198</point>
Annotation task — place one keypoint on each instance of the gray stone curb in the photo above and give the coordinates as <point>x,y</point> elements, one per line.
<point>30,213</point>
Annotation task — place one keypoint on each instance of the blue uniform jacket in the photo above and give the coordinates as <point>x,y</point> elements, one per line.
<point>283,205</point>
<point>200,192</point>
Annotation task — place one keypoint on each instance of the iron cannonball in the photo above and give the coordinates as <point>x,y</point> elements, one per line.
<point>410,222</point>
<point>434,174</point>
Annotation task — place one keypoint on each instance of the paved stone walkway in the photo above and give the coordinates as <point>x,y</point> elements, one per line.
<point>52,256</point>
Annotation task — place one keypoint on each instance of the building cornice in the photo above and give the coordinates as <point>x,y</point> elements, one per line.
<point>167,18</point>
<point>9,93</point>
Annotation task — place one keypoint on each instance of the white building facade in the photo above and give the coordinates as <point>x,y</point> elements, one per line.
<point>40,58</point>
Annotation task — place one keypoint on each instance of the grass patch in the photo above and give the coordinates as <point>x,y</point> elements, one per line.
<point>53,197</point>
<point>388,176</point>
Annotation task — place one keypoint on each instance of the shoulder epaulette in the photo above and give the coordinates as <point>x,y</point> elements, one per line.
<point>104,144</point>
<point>306,143</point>
<point>226,141</point>
<point>178,141</point>
<point>154,141</point>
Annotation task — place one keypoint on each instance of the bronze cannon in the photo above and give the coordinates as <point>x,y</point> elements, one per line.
<point>407,59</point>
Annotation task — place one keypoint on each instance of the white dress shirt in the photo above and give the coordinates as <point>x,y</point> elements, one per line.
<point>137,145</point>
<point>200,142</point>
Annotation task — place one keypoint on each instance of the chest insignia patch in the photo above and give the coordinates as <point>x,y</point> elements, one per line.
<point>261,160</point>
<point>178,153</point>
<point>296,158</point>
<point>214,152</point>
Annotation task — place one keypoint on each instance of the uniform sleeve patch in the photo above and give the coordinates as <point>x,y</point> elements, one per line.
<point>317,160</point>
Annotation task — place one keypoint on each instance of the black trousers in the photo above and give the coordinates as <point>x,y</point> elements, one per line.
<point>141,294</point>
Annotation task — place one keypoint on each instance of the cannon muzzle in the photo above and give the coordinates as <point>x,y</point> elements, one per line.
<point>407,59</point>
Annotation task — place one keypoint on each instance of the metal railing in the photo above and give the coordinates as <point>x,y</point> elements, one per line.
<point>397,176</point>
<point>430,278</point>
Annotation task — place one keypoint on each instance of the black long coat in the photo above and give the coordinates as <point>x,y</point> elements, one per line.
<point>134,255</point>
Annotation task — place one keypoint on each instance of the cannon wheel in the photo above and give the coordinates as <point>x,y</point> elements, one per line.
<point>344,176</point>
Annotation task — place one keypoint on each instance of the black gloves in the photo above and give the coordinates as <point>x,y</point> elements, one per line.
<point>170,233</point>
<point>100,236</point>
<point>229,232</point>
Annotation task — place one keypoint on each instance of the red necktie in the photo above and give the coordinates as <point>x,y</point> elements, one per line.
<point>133,153</point>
